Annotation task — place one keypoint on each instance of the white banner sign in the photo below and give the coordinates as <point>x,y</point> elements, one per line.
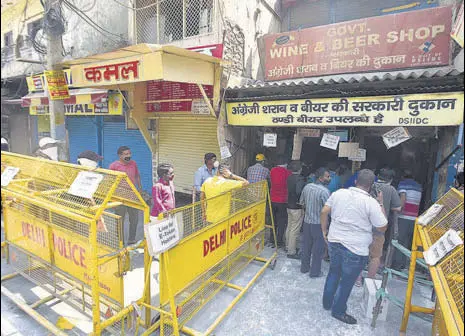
<point>199,106</point>
<point>270,140</point>
<point>361,155</point>
<point>348,149</point>
<point>395,137</point>
<point>161,234</point>
<point>8,175</point>
<point>224,152</point>
<point>430,214</point>
<point>449,241</point>
<point>85,184</point>
<point>329,141</point>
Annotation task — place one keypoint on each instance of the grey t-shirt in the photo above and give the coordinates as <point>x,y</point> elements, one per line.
<point>391,199</point>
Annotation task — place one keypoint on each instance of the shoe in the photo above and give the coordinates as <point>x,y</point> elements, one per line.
<point>317,276</point>
<point>346,318</point>
<point>293,256</point>
<point>304,270</point>
<point>326,308</point>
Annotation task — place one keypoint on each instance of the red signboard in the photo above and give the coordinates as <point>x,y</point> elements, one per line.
<point>215,50</point>
<point>159,91</point>
<point>406,40</point>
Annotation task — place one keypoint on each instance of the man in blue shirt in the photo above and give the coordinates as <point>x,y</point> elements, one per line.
<point>206,171</point>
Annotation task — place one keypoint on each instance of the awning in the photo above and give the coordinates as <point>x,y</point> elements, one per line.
<point>142,63</point>
<point>77,96</point>
<point>11,101</point>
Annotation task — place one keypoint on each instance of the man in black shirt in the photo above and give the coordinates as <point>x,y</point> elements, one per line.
<point>295,184</point>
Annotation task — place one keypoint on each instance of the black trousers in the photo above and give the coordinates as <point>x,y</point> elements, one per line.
<point>280,221</point>
<point>406,228</point>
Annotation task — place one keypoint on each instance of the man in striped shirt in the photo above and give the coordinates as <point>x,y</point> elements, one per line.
<point>410,192</point>
<point>313,198</point>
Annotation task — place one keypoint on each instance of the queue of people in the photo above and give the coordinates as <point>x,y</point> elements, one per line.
<point>349,215</point>
<point>343,213</point>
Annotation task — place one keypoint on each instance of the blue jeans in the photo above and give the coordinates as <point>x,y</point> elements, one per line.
<point>344,269</point>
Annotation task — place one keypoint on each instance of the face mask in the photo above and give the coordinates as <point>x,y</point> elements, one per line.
<point>127,158</point>
<point>51,152</point>
<point>216,164</point>
<point>88,163</point>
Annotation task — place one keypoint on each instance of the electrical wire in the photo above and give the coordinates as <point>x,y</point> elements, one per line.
<point>90,7</point>
<point>92,23</point>
<point>137,9</point>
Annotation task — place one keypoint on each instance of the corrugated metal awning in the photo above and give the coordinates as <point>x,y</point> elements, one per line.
<point>354,78</point>
<point>77,96</point>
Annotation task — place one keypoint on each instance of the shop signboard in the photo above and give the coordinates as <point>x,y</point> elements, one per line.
<point>56,85</point>
<point>438,109</point>
<point>114,106</point>
<point>37,82</point>
<point>406,40</point>
<point>215,50</point>
<point>165,96</point>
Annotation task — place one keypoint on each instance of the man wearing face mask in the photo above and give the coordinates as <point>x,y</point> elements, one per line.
<point>163,190</point>
<point>89,159</point>
<point>205,172</point>
<point>313,198</point>
<point>128,166</point>
<point>214,206</point>
<point>48,149</point>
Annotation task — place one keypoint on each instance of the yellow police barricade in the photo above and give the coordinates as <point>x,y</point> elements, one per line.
<point>448,273</point>
<point>60,233</point>
<point>218,238</point>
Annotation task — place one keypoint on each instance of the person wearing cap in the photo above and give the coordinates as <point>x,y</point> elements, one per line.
<point>48,149</point>
<point>206,171</point>
<point>258,172</point>
<point>5,145</point>
<point>89,159</point>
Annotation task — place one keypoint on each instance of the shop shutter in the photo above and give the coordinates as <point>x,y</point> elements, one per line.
<point>183,143</point>
<point>82,134</point>
<point>116,135</point>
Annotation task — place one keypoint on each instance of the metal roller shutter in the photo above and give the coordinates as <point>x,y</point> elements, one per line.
<point>116,135</point>
<point>183,143</point>
<point>82,134</point>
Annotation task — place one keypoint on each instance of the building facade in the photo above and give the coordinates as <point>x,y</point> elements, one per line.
<point>330,59</point>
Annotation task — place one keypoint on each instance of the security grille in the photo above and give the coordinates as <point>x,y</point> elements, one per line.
<point>164,21</point>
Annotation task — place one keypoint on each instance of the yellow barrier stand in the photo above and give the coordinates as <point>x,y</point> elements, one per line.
<point>210,255</point>
<point>447,274</point>
<point>56,239</point>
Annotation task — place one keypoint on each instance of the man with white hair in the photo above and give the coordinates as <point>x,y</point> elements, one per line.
<point>48,149</point>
